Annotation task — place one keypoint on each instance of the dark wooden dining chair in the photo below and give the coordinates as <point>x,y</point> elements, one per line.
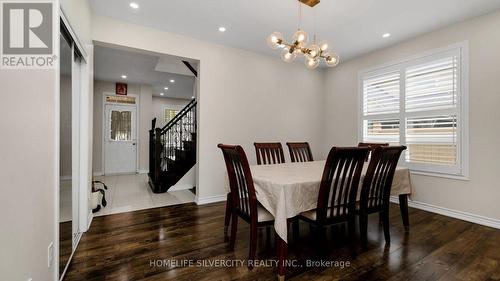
<point>372,146</point>
<point>338,189</point>
<point>376,188</point>
<point>269,153</point>
<point>244,202</point>
<point>300,151</point>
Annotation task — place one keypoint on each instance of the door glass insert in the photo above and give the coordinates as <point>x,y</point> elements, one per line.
<point>121,125</point>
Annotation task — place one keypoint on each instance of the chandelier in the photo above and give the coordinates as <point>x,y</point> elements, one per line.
<point>313,53</point>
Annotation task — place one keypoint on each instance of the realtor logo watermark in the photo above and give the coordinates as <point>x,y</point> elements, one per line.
<point>27,35</point>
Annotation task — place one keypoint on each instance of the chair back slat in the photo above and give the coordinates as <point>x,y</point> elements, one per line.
<point>339,184</point>
<point>240,180</point>
<point>372,146</point>
<point>300,151</point>
<point>269,153</point>
<point>377,183</point>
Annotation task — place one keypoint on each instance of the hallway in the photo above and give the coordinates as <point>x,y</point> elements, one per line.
<point>128,193</point>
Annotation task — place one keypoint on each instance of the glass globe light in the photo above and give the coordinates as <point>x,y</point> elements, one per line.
<point>288,56</point>
<point>274,40</point>
<point>323,45</point>
<point>332,59</point>
<point>314,51</point>
<point>311,63</point>
<point>300,37</point>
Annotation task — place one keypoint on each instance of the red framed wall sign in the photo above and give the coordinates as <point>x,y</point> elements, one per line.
<point>121,89</point>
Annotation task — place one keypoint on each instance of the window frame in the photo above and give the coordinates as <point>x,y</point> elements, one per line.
<point>461,50</point>
<point>165,115</point>
<point>170,107</point>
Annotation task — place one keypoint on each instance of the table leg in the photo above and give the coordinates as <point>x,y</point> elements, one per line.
<point>282,249</point>
<point>403,206</point>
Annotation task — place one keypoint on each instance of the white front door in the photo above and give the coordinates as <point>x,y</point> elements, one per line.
<point>120,139</point>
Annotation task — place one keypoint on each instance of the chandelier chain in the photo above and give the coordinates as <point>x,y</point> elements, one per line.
<point>299,11</point>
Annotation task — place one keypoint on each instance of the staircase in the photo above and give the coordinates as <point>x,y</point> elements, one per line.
<point>172,149</point>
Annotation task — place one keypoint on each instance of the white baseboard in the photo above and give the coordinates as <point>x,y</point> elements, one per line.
<point>211,199</point>
<point>180,187</point>
<point>143,171</point>
<point>491,222</point>
<point>97,174</point>
<point>89,219</point>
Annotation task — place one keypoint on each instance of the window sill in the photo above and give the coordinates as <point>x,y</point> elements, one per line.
<point>439,175</point>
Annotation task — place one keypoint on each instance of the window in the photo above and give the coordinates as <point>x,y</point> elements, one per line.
<point>169,114</point>
<point>421,103</point>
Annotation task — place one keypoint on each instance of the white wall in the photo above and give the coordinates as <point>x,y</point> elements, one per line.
<point>478,196</point>
<point>28,169</point>
<point>79,14</point>
<point>145,117</point>
<point>244,97</point>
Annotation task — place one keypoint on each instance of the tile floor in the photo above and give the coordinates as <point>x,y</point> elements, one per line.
<point>128,193</point>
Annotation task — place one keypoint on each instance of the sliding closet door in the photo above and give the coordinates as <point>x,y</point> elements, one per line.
<point>70,148</point>
<point>75,81</point>
<point>66,153</point>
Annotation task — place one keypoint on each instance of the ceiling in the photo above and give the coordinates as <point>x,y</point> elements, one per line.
<point>142,68</point>
<point>353,27</point>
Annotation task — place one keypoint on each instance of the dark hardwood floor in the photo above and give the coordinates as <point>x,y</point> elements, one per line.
<point>65,244</point>
<point>122,246</point>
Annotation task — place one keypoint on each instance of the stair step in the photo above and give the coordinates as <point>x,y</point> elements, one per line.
<point>181,160</point>
<point>189,145</point>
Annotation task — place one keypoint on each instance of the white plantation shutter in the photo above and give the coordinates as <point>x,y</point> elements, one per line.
<point>419,103</point>
<point>432,139</point>
<point>381,94</point>
<point>381,102</point>
<point>381,130</point>
<point>432,85</point>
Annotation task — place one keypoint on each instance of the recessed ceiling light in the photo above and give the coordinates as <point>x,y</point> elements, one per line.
<point>161,94</point>
<point>172,81</point>
<point>222,29</point>
<point>192,97</point>
<point>386,35</point>
<point>124,76</point>
<point>166,88</point>
<point>134,5</point>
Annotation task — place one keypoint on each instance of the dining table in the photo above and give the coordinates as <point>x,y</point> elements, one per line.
<point>288,189</point>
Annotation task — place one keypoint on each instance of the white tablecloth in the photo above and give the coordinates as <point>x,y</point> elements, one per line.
<point>289,189</point>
